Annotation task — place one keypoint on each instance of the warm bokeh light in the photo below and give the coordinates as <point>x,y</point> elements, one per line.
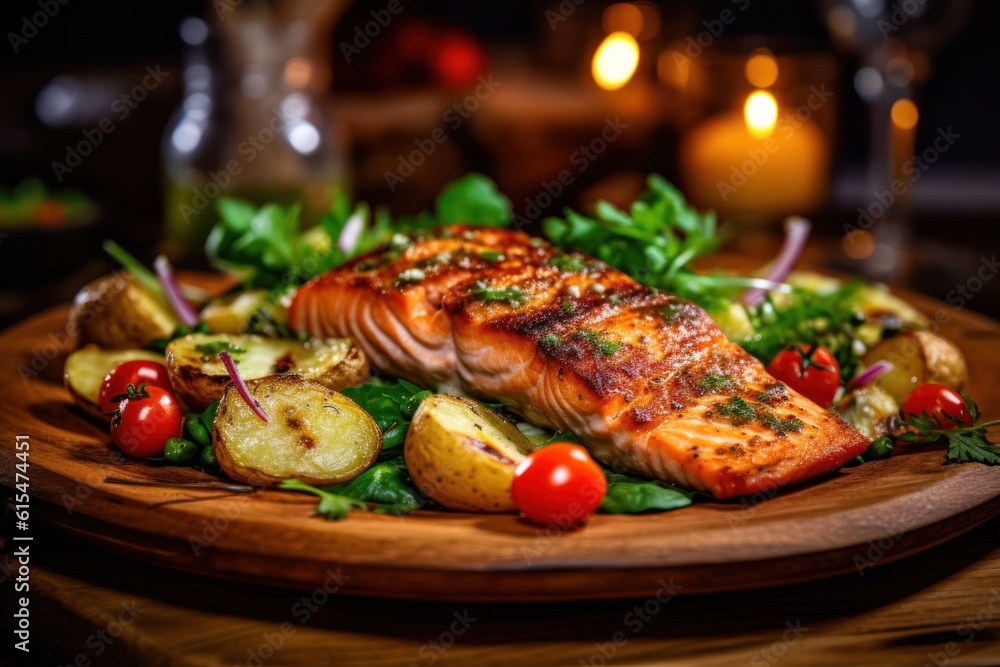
<point>761,113</point>
<point>622,17</point>
<point>762,69</point>
<point>650,20</point>
<point>905,114</point>
<point>673,68</point>
<point>298,71</point>
<point>458,60</point>
<point>615,60</point>
<point>859,244</point>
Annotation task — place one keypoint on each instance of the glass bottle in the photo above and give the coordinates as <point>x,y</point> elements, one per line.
<point>254,122</point>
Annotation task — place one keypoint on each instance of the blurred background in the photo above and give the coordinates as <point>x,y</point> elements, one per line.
<point>876,119</point>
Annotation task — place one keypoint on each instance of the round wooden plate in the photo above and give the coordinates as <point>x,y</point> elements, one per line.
<point>851,521</point>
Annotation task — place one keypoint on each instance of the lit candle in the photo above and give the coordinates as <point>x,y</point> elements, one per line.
<point>759,165</point>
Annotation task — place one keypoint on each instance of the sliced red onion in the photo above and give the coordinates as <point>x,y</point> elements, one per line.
<point>241,386</point>
<point>796,235</point>
<point>351,232</point>
<point>870,374</point>
<point>165,274</point>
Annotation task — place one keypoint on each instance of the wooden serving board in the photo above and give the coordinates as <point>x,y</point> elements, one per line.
<point>855,519</point>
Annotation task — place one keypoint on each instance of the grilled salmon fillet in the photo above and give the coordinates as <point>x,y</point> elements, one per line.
<point>647,380</point>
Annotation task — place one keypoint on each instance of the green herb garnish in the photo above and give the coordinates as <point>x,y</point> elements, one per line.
<point>781,427</point>
<point>737,411</point>
<point>568,263</point>
<point>603,345</point>
<point>513,294</point>
<point>550,340</point>
<point>568,307</point>
<point>267,247</point>
<point>212,349</point>
<point>492,256</point>
<point>657,237</point>
<point>965,443</point>
<point>714,382</point>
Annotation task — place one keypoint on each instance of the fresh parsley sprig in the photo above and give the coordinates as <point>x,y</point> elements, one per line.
<point>965,443</point>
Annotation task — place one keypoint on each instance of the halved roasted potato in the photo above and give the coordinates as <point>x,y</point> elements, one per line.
<point>199,377</point>
<point>231,313</point>
<point>313,434</point>
<point>87,367</point>
<point>918,357</point>
<point>463,455</point>
<point>871,410</point>
<point>115,312</point>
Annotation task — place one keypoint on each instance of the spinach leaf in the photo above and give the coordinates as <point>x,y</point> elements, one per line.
<point>473,199</point>
<point>386,485</point>
<point>391,405</point>
<point>384,488</point>
<point>630,495</point>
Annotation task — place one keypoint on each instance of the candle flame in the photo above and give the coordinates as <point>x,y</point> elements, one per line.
<point>615,60</point>
<point>761,113</point>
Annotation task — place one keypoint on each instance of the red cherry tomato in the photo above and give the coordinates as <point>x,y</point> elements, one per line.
<point>134,373</point>
<point>817,376</point>
<point>558,485</point>
<point>145,420</point>
<point>937,400</point>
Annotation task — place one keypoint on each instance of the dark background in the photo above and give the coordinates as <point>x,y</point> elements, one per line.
<point>956,205</point>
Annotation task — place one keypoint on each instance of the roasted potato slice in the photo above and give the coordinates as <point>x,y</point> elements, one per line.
<point>115,312</point>
<point>463,455</point>
<point>871,410</point>
<point>87,367</point>
<point>918,357</point>
<point>313,434</point>
<point>231,313</point>
<point>199,377</point>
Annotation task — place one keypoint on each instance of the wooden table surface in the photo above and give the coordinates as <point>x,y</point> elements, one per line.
<point>89,607</point>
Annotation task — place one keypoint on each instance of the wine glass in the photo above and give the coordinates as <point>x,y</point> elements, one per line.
<point>892,45</point>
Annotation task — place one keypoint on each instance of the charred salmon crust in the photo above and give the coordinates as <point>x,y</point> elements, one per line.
<point>647,380</point>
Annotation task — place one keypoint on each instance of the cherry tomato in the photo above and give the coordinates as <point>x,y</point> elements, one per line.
<point>816,376</point>
<point>558,485</point>
<point>145,420</point>
<point>937,400</point>
<point>134,373</point>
